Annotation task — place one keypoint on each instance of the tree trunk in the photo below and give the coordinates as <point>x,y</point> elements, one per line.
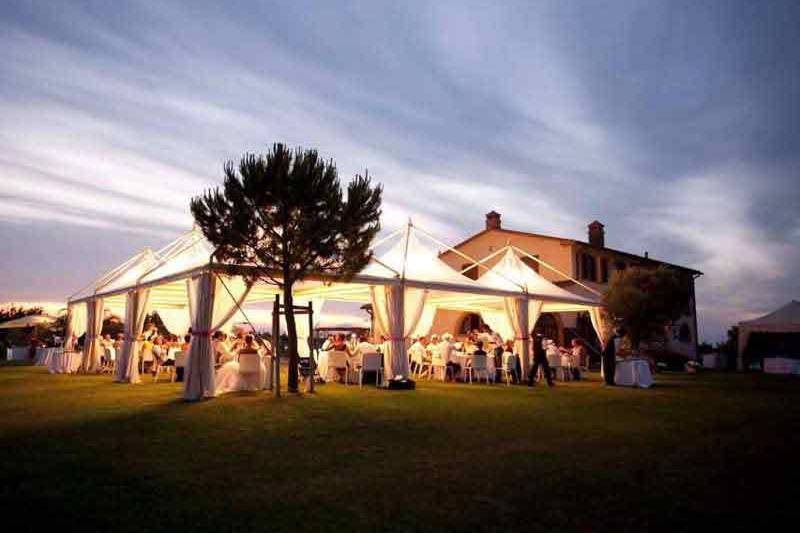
<point>291,330</point>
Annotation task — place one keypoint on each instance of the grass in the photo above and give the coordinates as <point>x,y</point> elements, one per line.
<point>694,452</point>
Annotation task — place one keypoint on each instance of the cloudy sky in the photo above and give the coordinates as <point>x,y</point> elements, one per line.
<point>674,123</point>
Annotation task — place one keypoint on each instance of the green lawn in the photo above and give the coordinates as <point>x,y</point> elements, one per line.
<point>694,452</point>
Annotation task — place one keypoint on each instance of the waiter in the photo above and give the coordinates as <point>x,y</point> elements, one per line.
<point>609,360</point>
<point>539,358</point>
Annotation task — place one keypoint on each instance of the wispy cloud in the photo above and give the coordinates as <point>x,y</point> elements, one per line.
<point>677,125</point>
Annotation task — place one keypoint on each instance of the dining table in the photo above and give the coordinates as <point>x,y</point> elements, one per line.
<point>45,355</point>
<point>633,372</point>
<point>65,362</point>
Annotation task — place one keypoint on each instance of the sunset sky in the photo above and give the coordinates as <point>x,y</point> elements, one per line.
<point>677,124</point>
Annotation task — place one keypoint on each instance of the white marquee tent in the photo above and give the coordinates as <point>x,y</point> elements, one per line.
<point>783,320</point>
<point>406,284</point>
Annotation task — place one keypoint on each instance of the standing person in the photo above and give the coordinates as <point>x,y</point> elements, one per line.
<point>539,359</point>
<point>609,360</point>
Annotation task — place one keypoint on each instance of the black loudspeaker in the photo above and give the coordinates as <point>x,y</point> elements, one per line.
<point>401,384</point>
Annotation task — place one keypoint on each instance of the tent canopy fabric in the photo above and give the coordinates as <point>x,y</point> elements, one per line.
<point>510,273</point>
<point>27,322</point>
<point>406,259</point>
<point>783,320</point>
<point>787,316</point>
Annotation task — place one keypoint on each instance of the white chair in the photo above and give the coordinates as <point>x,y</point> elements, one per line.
<point>180,362</point>
<point>421,366</point>
<point>250,370</point>
<point>371,362</point>
<point>566,368</point>
<point>508,368</point>
<point>477,369</point>
<point>337,361</point>
<point>439,362</point>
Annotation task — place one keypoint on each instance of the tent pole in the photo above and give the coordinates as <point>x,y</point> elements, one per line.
<point>554,269</point>
<point>481,262</point>
<point>276,356</point>
<point>465,256</point>
<point>312,364</point>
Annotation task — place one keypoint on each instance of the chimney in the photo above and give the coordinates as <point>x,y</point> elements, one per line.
<point>597,235</point>
<point>492,220</point>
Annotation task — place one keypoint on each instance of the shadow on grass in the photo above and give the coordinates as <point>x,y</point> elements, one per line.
<point>582,457</point>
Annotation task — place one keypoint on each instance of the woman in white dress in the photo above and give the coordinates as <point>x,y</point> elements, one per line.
<point>229,377</point>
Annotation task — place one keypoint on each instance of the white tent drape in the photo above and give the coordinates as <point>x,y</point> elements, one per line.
<point>498,321</point>
<point>301,323</point>
<point>534,312</point>
<point>517,316</point>
<point>76,324</point>
<point>425,321</point>
<point>396,321</point>
<point>177,321</point>
<point>414,309</point>
<point>598,323</point>
<point>127,364</point>
<point>212,306</point>
<point>94,325</point>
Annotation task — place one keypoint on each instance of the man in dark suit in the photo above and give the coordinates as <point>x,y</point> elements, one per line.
<point>539,359</point>
<point>609,360</point>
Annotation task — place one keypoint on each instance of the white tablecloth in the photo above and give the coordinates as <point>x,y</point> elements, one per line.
<point>45,355</point>
<point>781,365</point>
<point>65,363</point>
<point>324,359</point>
<point>17,353</point>
<point>633,373</point>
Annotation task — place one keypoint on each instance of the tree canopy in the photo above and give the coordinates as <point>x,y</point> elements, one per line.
<point>285,213</point>
<point>646,301</point>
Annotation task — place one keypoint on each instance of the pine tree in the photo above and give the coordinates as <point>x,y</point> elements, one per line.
<point>285,213</point>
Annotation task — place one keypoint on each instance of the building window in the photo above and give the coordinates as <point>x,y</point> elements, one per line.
<point>472,272</point>
<point>588,267</point>
<point>604,270</point>
<point>620,266</point>
<point>531,262</point>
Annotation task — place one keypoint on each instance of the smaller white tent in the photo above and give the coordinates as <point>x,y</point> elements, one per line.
<point>783,320</point>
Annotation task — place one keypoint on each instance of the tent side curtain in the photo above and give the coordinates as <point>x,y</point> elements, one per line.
<point>214,300</point>
<point>76,324</point>
<point>397,311</point>
<point>136,308</point>
<point>516,310</point>
<point>91,351</point>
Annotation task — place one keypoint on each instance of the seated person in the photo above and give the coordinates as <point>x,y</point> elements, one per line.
<point>328,344</point>
<point>446,349</point>
<point>222,353</point>
<point>187,339</point>
<point>229,377</point>
<point>339,344</point>
<point>418,350</point>
<point>478,351</point>
<point>364,346</point>
<point>433,346</point>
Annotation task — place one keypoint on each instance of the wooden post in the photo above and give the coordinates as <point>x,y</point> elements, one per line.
<point>276,356</point>
<point>312,363</point>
